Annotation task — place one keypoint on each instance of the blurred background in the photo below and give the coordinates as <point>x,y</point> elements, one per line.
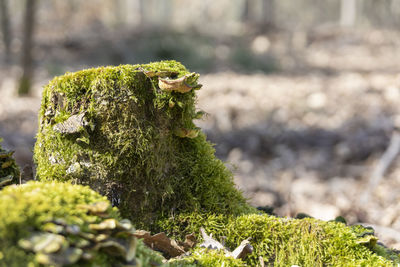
<point>303,96</point>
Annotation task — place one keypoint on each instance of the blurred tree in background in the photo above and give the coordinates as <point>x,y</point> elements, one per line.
<point>25,82</point>
<point>5,29</point>
<point>207,35</point>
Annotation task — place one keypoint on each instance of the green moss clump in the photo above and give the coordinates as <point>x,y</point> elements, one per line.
<point>286,242</point>
<point>207,258</point>
<point>128,133</point>
<point>61,224</point>
<point>9,171</point>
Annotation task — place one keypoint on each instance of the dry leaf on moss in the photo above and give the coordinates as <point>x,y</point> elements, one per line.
<point>161,242</point>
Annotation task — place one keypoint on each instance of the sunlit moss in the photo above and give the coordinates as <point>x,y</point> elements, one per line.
<point>137,145</point>
<point>67,212</point>
<point>208,258</point>
<point>286,242</point>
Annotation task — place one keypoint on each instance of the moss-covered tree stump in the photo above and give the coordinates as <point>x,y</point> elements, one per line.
<point>128,133</point>
<point>59,224</point>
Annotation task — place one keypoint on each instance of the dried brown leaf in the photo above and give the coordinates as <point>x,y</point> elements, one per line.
<point>210,242</point>
<point>190,242</point>
<point>242,250</point>
<point>161,243</point>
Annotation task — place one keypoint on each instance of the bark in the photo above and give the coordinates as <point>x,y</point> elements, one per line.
<point>246,11</point>
<point>268,13</point>
<point>27,59</point>
<point>5,28</point>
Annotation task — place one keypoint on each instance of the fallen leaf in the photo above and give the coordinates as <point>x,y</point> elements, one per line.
<point>210,242</point>
<point>190,242</point>
<point>242,250</point>
<point>161,243</point>
<point>239,253</point>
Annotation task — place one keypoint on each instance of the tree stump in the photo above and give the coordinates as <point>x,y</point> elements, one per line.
<point>128,133</point>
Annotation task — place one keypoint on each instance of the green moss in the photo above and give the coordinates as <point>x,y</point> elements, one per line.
<point>9,171</point>
<point>208,258</point>
<point>136,144</point>
<point>56,220</point>
<point>285,242</point>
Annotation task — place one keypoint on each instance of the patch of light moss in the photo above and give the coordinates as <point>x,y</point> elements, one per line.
<point>28,209</point>
<point>128,149</point>
<point>286,242</point>
<point>207,258</point>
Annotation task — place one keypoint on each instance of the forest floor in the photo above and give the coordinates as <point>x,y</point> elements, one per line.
<point>304,139</point>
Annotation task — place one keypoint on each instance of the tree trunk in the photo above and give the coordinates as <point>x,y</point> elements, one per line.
<point>5,28</point>
<point>268,13</point>
<point>246,14</point>
<point>348,13</point>
<point>166,13</point>
<point>26,59</point>
<point>143,12</point>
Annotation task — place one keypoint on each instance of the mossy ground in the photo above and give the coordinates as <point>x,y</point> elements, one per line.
<point>286,242</point>
<point>62,210</point>
<point>131,147</point>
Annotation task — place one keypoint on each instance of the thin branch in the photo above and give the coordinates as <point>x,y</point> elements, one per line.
<point>384,162</point>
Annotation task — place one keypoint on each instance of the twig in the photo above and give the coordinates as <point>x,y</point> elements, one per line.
<point>384,162</point>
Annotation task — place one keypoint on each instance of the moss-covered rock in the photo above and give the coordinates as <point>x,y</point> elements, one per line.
<point>285,242</point>
<point>128,132</point>
<point>9,171</point>
<point>59,224</point>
